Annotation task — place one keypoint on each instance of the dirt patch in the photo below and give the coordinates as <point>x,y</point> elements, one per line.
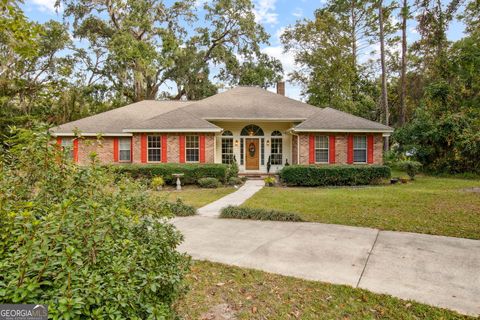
<point>474,189</point>
<point>219,312</point>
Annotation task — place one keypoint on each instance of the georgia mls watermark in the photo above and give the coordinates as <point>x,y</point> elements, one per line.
<point>23,312</point>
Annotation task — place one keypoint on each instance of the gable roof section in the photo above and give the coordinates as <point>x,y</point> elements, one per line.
<point>250,103</point>
<point>333,120</point>
<point>174,121</point>
<point>113,122</point>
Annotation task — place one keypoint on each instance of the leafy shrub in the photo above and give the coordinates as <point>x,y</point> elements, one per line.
<point>232,170</point>
<point>157,183</point>
<point>270,181</point>
<point>79,239</point>
<point>192,172</point>
<point>410,167</point>
<point>312,176</point>
<point>209,183</point>
<point>181,209</point>
<point>234,181</point>
<point>234,212</point>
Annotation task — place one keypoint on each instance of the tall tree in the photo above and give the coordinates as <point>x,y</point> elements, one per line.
<point>403,73</point>
<point>384,97</point>
<point>147,43</point>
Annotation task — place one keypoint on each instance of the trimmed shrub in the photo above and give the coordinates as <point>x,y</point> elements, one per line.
<point>351,175</point>
<point>410,167</point>
<point>234,212</point>
<point>209,183</point>
<point>181,209</point>
<point>234,181</point>
<point>191,172</point>
<point>83,241</point>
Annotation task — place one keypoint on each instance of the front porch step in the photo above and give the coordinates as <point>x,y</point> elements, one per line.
<point>256,176</point>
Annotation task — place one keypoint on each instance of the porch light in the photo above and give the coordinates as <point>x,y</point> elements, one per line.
<point>268,142</point>
<point>236,143</point>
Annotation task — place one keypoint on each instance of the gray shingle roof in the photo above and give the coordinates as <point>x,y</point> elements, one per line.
<point>240,103</point>
<point>114,121</point>
<point>176,120</point>
<point>329,119</point>
<point>250,103</point>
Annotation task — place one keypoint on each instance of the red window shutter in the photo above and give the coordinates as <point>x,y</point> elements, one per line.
<point>59,141</point>
<point>143,148</point>
<point>75,150</point>
<point>331,146</point>
<point>115,149</point>
<point>164,148</point>
<point>370,143</point>
<point>202,148</point>
<point>312,149</point>
<point>350,149</point>
<point>181,140</point>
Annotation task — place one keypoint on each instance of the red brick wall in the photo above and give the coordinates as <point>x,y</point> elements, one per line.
<point>104,148</point>
<point>341,148</point>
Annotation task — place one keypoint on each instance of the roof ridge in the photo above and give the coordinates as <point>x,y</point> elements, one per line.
<point>358,117</point>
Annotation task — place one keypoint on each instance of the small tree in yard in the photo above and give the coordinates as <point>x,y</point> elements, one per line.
<point>84,242</point>
<point>410,167</point>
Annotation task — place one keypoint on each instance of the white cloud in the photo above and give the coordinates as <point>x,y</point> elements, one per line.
<point>45,5</point>
<point>278,34</point>
<point>265,11</point>
<point>298,12</point>
<point>286,58</point>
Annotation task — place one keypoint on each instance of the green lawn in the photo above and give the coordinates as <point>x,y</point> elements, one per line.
<point>251,294</point>
<point>428,205</point>
<point>196,197</point>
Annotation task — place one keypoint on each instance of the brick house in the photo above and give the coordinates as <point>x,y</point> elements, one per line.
<point>248,124</point>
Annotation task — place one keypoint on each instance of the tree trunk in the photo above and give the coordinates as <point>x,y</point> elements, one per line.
<point>384,98</point>
<point>403,92</point>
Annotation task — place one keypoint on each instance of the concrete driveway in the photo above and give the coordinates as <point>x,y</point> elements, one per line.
<point>439,271</point>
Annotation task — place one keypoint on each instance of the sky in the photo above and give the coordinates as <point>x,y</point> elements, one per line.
<point>274,15</point>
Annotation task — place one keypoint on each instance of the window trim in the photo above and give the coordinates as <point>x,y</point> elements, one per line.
<point>197,148</point>
<point>129,139</point>
<point>366,150</point>
<point>225,138</point>
<point>276,135</point>
<point>148,148</point>
<point>327,148</point>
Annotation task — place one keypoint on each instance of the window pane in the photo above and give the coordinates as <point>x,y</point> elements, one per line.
<point>359,142</point>
<point>227,150</point>
<point>124,155</point>
<point>154,149</point>
<point>359,155</point>
<point>276,151</point>
<point>67,145</point>
<point>321,149</point>
<point>192,149</point>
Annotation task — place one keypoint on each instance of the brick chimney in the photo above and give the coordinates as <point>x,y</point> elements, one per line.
<point>281,88</point>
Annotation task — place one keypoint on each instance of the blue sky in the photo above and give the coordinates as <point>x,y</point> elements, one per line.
<point>274,15</point>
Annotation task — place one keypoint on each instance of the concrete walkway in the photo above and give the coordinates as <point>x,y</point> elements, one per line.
<point>233,199</point>
<point>435,270</point>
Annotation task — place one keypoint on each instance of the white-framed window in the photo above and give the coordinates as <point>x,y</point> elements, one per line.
<point>125,149</point>
<point>321,149</point>
<point>276,148</point>
<point>227,147</point>
<point>154,148</point>
<point>359,149</point>
<point>192,149</point>
<point>67,146</point>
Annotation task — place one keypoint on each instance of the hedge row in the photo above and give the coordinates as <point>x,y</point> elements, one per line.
<point>233,212</point>
<point>192,172</point>
<point>341,175</point>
